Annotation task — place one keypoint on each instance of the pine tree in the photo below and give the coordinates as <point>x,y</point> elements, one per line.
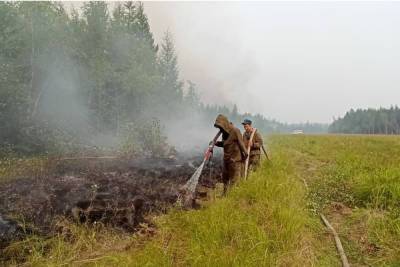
<point>171,85</point>
<point>192,98</point>
<point>96,46</point>
<point>143,27</point>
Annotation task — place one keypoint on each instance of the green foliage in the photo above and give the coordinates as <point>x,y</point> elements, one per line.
<point>368,121</point>
<point>170,83</point>
<point>66,77</point>
<point>145,138</point>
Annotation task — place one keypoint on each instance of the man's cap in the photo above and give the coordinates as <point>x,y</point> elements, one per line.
<point>246,121</point>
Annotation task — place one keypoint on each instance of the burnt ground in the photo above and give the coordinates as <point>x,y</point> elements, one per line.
<point>116,192</point>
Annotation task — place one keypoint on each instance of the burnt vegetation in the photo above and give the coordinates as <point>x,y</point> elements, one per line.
<point>118,193</point>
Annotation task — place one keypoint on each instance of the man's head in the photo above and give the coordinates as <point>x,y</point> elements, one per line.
<point>247,125</point>
<point>222,123</point>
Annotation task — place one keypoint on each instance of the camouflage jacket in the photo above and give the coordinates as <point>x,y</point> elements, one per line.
<point>257,142</point>
<point>232,140</point>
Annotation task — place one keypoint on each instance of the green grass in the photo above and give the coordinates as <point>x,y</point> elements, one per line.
<point>363,174</point>
<point>271,219</point>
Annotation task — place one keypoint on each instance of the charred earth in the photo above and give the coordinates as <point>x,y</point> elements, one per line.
<point>116,192</point>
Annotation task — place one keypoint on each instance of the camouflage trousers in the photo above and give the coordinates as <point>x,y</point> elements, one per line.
<point>254,162</point>
<point>231,173</point>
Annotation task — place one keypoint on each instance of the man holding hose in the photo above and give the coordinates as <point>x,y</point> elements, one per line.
<point>234,150</point>
<point>255,144</point>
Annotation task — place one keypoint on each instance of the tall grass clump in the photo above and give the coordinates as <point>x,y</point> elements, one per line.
<point>362,173</point>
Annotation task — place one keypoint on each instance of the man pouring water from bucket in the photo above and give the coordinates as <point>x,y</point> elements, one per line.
<point>234,150</point>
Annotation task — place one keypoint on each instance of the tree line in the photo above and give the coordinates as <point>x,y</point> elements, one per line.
<point>368,121</point>
<point>90,76</point>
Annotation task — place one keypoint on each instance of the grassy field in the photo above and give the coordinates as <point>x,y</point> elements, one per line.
<point>271,219</point>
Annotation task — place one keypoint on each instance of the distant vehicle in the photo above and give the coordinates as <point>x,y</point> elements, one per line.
<point>297,132</point>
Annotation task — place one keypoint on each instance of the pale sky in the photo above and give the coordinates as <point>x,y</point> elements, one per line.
<point>292,61</point>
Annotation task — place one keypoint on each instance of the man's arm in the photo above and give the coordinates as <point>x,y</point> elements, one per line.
<point>241,144</point>
<point>258,142</point>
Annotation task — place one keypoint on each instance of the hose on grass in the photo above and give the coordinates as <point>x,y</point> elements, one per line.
<point>339,246</point>
<point>343,257</point>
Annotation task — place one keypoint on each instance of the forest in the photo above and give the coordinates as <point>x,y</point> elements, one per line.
<point>368,121</point>
<point>95,77</point>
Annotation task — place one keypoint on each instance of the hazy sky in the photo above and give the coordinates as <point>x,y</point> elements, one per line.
<point>293,61</point>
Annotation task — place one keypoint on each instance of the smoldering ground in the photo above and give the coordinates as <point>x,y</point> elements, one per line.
<point>119,193</point>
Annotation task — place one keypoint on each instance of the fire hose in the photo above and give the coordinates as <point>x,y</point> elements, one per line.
<point>191,184</point>
<point>246,165</point>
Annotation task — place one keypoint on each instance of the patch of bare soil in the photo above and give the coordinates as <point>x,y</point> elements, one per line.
<point>116,192</point>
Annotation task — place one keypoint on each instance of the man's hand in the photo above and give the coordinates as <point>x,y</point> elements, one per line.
<point>219,143</point>
<point>244,156</point>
